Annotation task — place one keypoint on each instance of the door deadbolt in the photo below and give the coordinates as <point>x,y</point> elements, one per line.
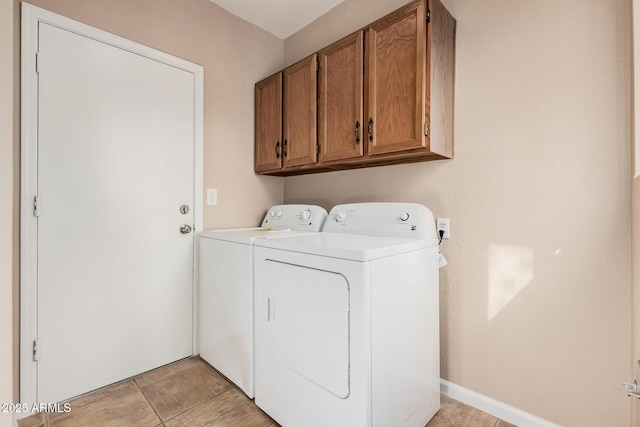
<point>185,229</point>
<point>184,209</point>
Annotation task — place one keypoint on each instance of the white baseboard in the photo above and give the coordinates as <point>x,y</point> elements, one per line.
<point>491,406</point>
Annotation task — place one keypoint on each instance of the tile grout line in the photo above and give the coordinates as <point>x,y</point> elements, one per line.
<point>139,387</point>
<point>235,387</point>
<point>58,416</point>
<point>177,362</point>
<point>211,368</point>
<point>198,405</point>
<point>148,402</point>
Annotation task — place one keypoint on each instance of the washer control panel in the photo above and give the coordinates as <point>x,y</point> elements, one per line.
<point>295,217</point>
<point>404,220</point>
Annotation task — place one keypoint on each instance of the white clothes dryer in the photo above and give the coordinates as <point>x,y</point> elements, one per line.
<point>347,330</point>
<point>226,334</point>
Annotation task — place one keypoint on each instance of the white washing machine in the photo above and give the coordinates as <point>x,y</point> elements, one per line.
<point>226,288</point>
<point>347,329</point>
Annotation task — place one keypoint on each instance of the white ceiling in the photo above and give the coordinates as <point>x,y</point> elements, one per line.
<point>279,17</point>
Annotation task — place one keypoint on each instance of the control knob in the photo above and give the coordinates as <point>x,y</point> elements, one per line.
<point>404,216</point>
<point>341,216</point>
<point>306,214</point>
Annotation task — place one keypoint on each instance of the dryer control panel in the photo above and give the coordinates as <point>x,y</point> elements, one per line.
<point>403,220</point>
<point>295,217</point>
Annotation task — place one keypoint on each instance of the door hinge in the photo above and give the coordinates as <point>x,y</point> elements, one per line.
<point>36,206</point>
<point>428,13</point>
<point>36,349</point>
<point>317,148</point>
<point>426,129</point>
<point>37,62</point>
<point>317,65</point>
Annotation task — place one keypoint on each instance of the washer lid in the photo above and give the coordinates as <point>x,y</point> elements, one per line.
<point>347,246</point>
<point>248,236</point>
<point>280,221</point>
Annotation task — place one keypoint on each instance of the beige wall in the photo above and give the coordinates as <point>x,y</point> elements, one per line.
<point>6,207</point>
<point>235,55</point>
<point>535,301</point>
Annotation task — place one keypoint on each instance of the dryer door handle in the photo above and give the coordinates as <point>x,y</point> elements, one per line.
<point>269,310</point>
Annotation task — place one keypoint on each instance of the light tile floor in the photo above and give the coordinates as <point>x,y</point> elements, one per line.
<point>190,393</point>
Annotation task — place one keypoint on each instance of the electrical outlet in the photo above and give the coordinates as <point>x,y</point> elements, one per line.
<point>442,224</point>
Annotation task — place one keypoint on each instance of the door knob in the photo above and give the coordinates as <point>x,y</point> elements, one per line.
<point>185,229</point>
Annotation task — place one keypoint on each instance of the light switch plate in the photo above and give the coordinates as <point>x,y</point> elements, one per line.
<point>212,196</point>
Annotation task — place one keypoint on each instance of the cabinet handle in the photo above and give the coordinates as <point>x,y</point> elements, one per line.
<point>284,148</point>
<point>370,129</point>
<point>278,150</point>
<point>357,132</point>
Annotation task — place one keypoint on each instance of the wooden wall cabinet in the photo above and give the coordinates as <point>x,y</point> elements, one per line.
<point>285,118</point>
<point>340,99</point>
<point>396,60</point>
<point>299,106</point>
<point>268,124</point>
<point>384,95</point>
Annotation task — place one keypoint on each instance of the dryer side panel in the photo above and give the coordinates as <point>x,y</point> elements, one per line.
<point>405,353</point>
<point>226,310</point>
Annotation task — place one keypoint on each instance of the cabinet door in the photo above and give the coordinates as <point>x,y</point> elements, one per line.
<point>396,48</point>
<point>268,126</point>
<point>300,113</point>
<point>340,130</point>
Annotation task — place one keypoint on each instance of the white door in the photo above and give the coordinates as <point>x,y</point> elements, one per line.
<point>115,164</point>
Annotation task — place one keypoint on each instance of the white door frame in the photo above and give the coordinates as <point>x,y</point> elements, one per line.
<point>31,16</point>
